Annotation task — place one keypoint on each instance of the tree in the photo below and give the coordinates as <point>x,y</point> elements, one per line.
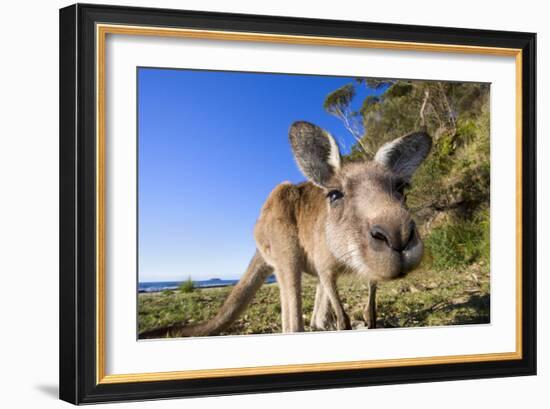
<point>338,103</point>
<point>455,178</point>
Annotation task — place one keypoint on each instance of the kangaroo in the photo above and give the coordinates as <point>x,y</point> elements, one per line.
<point>348,217</point>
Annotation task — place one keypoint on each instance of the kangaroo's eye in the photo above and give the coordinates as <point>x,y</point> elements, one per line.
<point>334,195</point>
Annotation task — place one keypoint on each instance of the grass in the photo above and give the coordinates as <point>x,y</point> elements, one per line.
<point>427,297</point>
<point>458,244</point>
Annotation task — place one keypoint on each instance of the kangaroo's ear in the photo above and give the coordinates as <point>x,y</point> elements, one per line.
<point>315,151</point>
<point>404,155</point>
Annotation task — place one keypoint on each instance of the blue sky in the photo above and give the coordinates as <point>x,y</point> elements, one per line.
<point>212,145</point>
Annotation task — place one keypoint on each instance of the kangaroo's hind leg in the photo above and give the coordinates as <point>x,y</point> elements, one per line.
<point>276,236</point>
<point>290,286</point>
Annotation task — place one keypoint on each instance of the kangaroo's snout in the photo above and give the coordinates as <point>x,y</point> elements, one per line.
<point>397,239</point>
<point>392,245</point>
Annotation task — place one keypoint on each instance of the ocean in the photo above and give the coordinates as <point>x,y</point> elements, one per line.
<point>154,286</point>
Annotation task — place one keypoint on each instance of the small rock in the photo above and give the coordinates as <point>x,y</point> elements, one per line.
<point>413,289</point>
<point>472,290</point>
<point>460,300</point>
<point>358,325</point>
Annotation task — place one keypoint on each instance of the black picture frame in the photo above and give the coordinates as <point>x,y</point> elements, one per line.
<point>78,236</point>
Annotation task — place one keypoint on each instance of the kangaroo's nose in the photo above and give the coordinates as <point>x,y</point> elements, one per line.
<point>396,239</point>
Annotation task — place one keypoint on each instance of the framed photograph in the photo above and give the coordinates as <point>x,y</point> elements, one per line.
<point>258,203</point>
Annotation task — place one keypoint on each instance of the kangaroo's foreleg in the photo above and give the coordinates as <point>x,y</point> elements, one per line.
<point>322,318</point>
<point>328,281</point>
<point>369,314</point>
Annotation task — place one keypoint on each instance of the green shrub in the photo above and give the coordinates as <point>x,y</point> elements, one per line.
<point>460,243</point>
<point>187,286</point>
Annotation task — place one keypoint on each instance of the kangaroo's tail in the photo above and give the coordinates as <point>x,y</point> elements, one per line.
<point>237,301</point>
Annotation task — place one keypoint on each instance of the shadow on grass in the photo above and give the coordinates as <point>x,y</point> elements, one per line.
<point>474,310</point>
<point>480,303</point>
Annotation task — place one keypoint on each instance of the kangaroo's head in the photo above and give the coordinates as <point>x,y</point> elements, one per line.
<point>368,227</point>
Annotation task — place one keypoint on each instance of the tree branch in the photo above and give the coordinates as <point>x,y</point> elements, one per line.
<point>426,96</point>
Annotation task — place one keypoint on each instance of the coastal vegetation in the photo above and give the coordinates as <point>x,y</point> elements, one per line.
<point>187,286</point>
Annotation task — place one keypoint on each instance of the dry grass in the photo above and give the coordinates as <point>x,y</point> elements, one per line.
<point>424,298</point>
